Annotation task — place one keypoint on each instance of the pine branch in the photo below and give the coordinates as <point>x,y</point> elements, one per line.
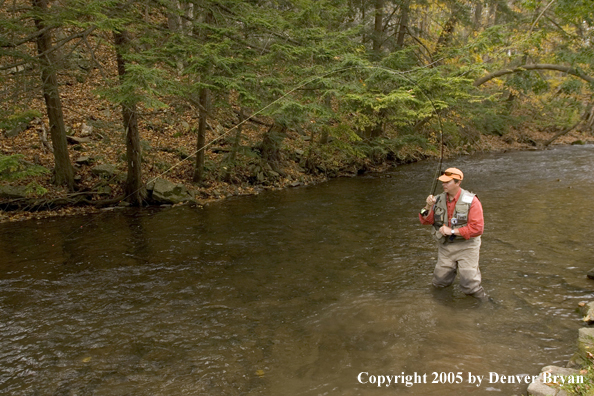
<point>31,37</point>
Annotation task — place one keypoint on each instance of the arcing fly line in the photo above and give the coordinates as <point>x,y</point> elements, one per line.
<point>299,86</point>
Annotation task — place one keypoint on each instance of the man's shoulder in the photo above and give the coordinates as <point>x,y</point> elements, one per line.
<point>467,197</point>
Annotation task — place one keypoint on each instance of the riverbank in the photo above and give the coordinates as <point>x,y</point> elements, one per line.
<point>576,378</point>
<point>297,170</point>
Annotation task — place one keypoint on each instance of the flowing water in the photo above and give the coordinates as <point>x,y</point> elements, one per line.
<point>298,292</point>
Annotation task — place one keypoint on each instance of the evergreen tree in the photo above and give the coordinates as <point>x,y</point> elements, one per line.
<point>23,26</point>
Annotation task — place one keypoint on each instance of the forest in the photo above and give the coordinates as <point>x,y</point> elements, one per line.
<point>114,102</point>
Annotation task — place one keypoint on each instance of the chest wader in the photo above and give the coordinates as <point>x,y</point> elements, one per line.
<point>459,217</point>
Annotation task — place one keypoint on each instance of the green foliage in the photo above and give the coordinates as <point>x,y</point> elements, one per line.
<point>587,387</point>
<point>571,86</point>
<point>558,110</point>
<point>528,82</point>
<point>306,65</point>
<point>141,84</point>
<point>492,120</point>
<point>13,120</point>
<point>12,167</point>
<point>402,60</point>
<point>34,188</point>
<point>395,149</point>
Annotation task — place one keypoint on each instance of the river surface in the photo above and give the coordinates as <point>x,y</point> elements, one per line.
<point>297,292</point>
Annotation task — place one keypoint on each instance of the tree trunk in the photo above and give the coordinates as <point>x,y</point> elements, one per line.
<point>63,170</point>
<point>134,189</point>
<point>236,144</point>
<point>271,146</point>
<point>178,24</point>
<point>402,25</point>
<point>446,33</point>
<point>378,28</point>
<point>478,16</point>
<point>324,138</point>
<point>201,139</point>
<point>589,117</point>
<point>493,14</point>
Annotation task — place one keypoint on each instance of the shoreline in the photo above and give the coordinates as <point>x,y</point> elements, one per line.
<point>221,191</point>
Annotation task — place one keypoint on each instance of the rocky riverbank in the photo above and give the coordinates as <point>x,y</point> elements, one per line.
<point>575,378</point>
<point>100,182</point>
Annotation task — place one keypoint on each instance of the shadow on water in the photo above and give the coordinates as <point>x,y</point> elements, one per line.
<point>298,292</point>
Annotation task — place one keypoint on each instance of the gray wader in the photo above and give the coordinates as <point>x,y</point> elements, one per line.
<point>460,256</point>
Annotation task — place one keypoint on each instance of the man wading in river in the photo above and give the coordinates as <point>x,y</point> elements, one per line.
<point>457,219</point>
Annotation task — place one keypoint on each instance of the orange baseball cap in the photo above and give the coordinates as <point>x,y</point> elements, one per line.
<point>451,173</point>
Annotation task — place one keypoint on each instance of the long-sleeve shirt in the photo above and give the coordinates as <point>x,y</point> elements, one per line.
<point>475,224</point>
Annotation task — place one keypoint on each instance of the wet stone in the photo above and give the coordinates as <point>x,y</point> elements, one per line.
<point>540,388</point>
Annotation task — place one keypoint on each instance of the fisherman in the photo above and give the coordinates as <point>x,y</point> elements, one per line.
<point>457,219</point>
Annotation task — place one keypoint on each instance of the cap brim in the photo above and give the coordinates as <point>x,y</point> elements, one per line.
<point>445,178</point>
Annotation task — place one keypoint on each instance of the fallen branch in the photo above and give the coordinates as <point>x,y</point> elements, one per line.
<point>585,118</point>
<point>564,69</point>
<point>561,133</point>
<point>74,199</point>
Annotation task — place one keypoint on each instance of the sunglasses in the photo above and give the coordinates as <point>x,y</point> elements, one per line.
<point>450,174</point>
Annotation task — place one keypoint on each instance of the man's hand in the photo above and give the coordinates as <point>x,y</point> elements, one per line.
<point>445,230</point>
<point>431,200</point>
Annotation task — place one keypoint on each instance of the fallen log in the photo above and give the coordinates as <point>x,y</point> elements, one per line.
<point>74,199</point>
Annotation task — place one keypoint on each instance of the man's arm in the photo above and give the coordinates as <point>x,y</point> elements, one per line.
<point>428,218</point>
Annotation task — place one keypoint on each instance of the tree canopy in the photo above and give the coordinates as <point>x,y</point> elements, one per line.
<point>354,81</point>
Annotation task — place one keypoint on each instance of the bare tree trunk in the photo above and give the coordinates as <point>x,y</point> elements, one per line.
<point>446,33</point>
<point>134,188</point>
<point>271,146</point>
<point>204,108</point>
<point>201,139</point>
<point>324,138</point>
<point>589,117</point>
<point>378,28</point>
<point>493,14</point>
<point>174,22</point>
<point>236,144</point>
<point>177,23</point>
<point>402,25</point>
<point>478,16</point>
<point>63,170</point>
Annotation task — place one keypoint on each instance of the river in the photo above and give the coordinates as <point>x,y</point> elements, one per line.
<point>302,291</point>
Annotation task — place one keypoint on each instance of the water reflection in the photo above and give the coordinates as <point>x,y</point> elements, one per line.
<point>297,292</point>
